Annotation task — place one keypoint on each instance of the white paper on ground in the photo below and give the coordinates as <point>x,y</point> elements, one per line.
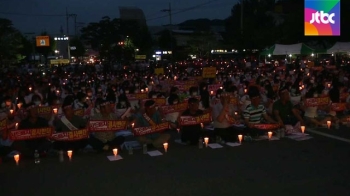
<point>180,142</point>
<point>133,144</point>
<point>299,133</point>
<point>265,137</point>
<point>154,153</point>
<point>114,158</point>
<point>233,144</point>
<point>215,145</point>
<point>238,125</point>
<point>209,128</point>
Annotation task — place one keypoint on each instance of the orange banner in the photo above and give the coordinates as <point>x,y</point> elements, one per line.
<point>234,100</point>
<point>139,131</point>
<point>319,101</point>
<point>167,109</point>
<point>31,133</point>
<point>159,101</point>
<point>44,110</point>
<point>209,72</point>
<point>42,41</point>
<point>3,124</point>
<point>338,107</point>
<point>266,126</point>
<point>195,120</point>
<point>79,112</point>
<point>137,96</point>
<point>107,125</point>
<point>71,135</point>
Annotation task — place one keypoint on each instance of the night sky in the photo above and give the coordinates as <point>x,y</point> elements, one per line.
<point>24,13</point>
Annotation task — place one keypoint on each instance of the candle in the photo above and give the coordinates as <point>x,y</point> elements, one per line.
<point>329,85</point>
<point>245,90</point>
<point>55,110</point>
<point>206,141</point>
<point>70,153</point>
<point>329,124</point>
<point>146,89</point>
<point>174,77</point>
<point>30,88</point>
<point>115,151</point>
<point>221,87</point>
<point>269,134</point>
<point>302,129</point>
<point>141,90</point>
<point>19,105</point>
<point>202,125</point>
<point>58,92</point>
<point>11,111</point>
<point>240,138</point>
<point>16,157</point>
<point>132,125</point>
<point>165,147</point>
<point>300,88</point>
<point>178,130</point>
<point>16,125</point>
<point>236,113</point>
<point>211,92</point>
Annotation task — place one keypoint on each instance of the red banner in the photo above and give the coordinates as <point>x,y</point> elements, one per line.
<point>137,96</point>
<point>195,120</point>
<point>159,101</point>
<point>31,133</point>
<point>338,107</point>
<point>167,109</point>
<point>71,135</point>
<point>188,82</point>
<point>319,101</point>
<point>139,131</point>
<point>266,126</point>
<point>107,125</point>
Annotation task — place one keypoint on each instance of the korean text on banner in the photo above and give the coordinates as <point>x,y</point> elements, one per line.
<point>195,120</point>
<point>209,72</point>
<point>28,134</point>
<point>44,110</point>
<point>71,135</point>
<point>139,131</point>
<point>167,109</point>
<point>313,102</point>
<point>107,125</point>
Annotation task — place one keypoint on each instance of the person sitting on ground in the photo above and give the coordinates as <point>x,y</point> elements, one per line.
<point>284,111</point>
<point>190,134</point>
<point>105,140</point>
<point>70,122</point>
<point>255,113</point>
<point>151,117</point>
<point>33,121</point>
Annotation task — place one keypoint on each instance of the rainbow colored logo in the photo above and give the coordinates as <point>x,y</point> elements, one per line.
<point>322,18</point>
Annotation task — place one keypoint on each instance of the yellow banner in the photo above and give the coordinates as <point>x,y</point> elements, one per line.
<point>209,72</point>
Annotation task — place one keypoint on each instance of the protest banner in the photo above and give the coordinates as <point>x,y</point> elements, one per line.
<point>314,102</point>
<point>167,109</point>
<point>107,125</point>
<point>28,134</point>
<point>209,72</point>
<point>195,120</point>
<point>71,135</point>
<point>139,131</point>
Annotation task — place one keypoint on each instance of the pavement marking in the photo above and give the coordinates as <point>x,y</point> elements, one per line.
<point>328,135</point>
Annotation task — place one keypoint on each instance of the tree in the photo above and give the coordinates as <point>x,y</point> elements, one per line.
<point>201,44</point>
<point>103,36</point>
<point>10,42</point>
<point>79,47</point>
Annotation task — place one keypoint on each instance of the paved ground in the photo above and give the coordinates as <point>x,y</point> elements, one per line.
<point>319,166</point>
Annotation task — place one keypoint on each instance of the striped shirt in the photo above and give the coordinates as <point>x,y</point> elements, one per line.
<point>254,114</point>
